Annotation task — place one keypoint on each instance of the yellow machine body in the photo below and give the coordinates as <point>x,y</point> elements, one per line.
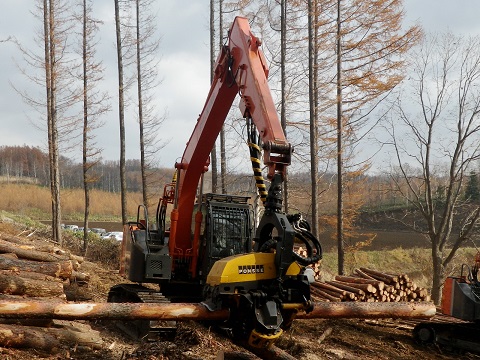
<point>246,268</point>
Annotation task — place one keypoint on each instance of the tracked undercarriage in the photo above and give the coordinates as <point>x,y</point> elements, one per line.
<point>142,329</point>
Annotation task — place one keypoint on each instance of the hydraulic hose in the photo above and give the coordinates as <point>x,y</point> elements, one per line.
<point>303,233</point>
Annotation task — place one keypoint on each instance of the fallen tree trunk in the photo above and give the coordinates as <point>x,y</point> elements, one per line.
<point>193,311</point>
<point>29,275</point>
<point>61,269</point>
<point>45,247</point>
<point>29,254</point>
<point>16,285</point>
<point>110,311</point>
<point>370,310</point>
<point>47,339</point>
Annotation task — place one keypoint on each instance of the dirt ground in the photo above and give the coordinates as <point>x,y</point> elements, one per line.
<point>307,339</point>
<point>343,339</point>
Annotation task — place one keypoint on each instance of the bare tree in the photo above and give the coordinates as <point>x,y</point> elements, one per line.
<point>213,44</point>
<point>121,111</point>
<point>54,65</point>
<point>147,44</point>
<point>95,103</point>
<point>435,133</point>
<point>312,78</point>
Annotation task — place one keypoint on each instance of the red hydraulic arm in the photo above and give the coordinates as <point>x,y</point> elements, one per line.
<point>240,69</point>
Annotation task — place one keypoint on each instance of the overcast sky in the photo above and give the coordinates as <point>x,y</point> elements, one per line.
<point>184,68</point>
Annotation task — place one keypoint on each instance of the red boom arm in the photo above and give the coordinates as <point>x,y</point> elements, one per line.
<point>240,68</point>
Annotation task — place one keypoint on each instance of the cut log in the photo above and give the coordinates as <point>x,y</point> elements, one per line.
<point>30,275</point>
<point>109,311</point>
<point>370,310</point>
<point>10,256</point>
<point>29,254</point>
<point>16,285</point>
<point>45,247</point>
<point>389,279</point>
<point>47,339</point>
<point>61,269</point>
<point>367,288</point>
<point>346,287</point>
<point>380,285</point>
<point>28,322</point>
<point>324,286</point>
<point>325,295</point>
<point>364,275</point>
<point>194,311</point>
<point>27,244</point>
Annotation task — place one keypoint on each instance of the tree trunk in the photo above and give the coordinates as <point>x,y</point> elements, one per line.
<point>121,114</point>
<point>213,153</point>
<point>85,129</point>
<point>140,107</point>
<point>48,75</point>
<point>30,254</point>
<point>62,269</point>
<point>55,168</point>
<point>223,160</point>
<point>340,240</point>
<point>192,311</point>
<point>370,310</point>
<point>109,311</point>
<point>48,339</point>
<point>437,277</point>
<point>312,94</point>
<point>16,285</point>
<point>283,111</point>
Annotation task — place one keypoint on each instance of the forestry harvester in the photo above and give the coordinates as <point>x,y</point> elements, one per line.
<point>210,251</point>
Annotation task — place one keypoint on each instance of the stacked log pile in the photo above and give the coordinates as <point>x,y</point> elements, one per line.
<point>40,271</point>
<point>316,267</point>
<point>370,286</point>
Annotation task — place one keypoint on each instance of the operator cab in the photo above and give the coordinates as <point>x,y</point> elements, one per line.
<point>227,228</point>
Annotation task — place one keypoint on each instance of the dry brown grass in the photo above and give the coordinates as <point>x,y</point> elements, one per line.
<point>34,201</point>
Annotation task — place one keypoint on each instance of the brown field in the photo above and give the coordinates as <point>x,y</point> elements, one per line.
<point>34,201</point>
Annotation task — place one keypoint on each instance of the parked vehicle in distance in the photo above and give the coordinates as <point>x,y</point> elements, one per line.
<point>99,231</point>
<point>116,235</point>
<point>71,227</point>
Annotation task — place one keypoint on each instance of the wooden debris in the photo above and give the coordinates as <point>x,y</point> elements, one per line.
<point>43,274</point>
<point>324,335</point>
